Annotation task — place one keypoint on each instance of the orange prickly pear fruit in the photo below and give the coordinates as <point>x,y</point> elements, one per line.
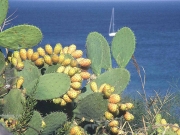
<point>77,54</point>
<point>128,116</point>
<point>112,107</point>
<point>93,86</point>
<point>108,115</point>
<point>65,49</point>
<point>73,63</point>
<point>63,102</point>
<point>23,54</point>
<point>79,59</point>
<point>20,65</point>
<point>41,51</point>
<point>113,123</point>
<point>76,85</point>
<point>48,60</point>
<point>34,56</point>
<point>66,62</point>
<point>76,78</point>
<point>55,58</point>
<point>49,49</point>
<point>72,71</point>
<point>67,98</point>
<point>61,69</point>
<point>85,75</point>
<point>101,87</point>
<point>72,94</point>
<point>16,54</point>
<point>19,82</point>
<point>114,98</point>
<point>29,53</point>
<point>71,49</point>
<point>114,130</point>
<point>107,87</point>
<point>85,63</point>
<point>14,61</point>
<point>175,127</point>
<point>61,58</point>
<point>129,106</point>
<point>57,48</point>
<point>123,107</point>
<point>74,130</point>
<point>39,62</point>
<point>57,100</point>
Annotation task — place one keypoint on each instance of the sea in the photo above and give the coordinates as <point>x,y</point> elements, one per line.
<point>156,25</point>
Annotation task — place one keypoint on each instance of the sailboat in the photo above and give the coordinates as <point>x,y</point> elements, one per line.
<point>111,26</point>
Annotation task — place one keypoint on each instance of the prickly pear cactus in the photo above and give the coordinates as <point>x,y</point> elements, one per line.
<point>21,36</point>
<point>52,69</point>
<point>123,46</point>
<point>99,52</point>
<point>2,63</point>
<point>92,107</point>
<point>53,121</point>
<point>49,86</point>
<point>3,10</point>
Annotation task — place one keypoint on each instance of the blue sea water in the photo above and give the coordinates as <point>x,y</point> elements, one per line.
<point>156,26</point>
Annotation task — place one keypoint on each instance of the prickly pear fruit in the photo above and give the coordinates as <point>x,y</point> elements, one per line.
<point>16,54</point>
<point>178,132</point>
<point>85,63</point>
<point>63,102</point>
<point>72,94</point>
<point>23,54</point>
<point>57,48</point>
<point>14,61</point>
<point>107,93</point>
<point>61,69</point>
<point>102,87</point>
<point>175,127</point>
<point>85,75</point>
<point>39,62</point>
<point>93,86</point>
<point>65,49</point>
<point>77,54</point>
<point>112,107</point>
<point>67,98</point>
<point>123,107</point>
<point>19,82</point>
<point>71,49</point>
<point>73,63</point>
<point>76,78</point>
<point>163,122</point>
<point>114,130</point>
<point>113,123</point>
<point>61,58</point>
<point>47,60</point>
<point>55,58</point>
<point>34,56</point>
<point>129,106</point>
<point>75,130</point>
<point>43,125</point>
<point>76,85</point>
<point>66,70</point>
<point>128,116</point>
<point>72,71</point>
<point>41,51</point>
<point>114,98</point>
<point>57,100</point>
<point>108,115</point>
<point>66,62</point>
<point>48,49</point>
<point>29,53</point>
<point>20,65</point>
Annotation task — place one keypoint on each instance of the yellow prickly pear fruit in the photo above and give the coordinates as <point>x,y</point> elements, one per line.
<point>79,59</point>
<point>20,65</point>
<point>19,82</point>
<point>71,49</point>
<point>65,49</point>
<point>128,116</point>
<point>57,48</point>
<point>85,75</point>
<point>72,94</point>
<point>61,58</point>
<point>74,63</point>
<point>163,122</point>
<point>47,60</point>
<point>107,87</point>
<point>66,62</point>
<point>23,54</point>
<point>93,86</point>
<point>123,107</point>
<point>107,93</point>
<point>114,98</point>
<point>113,123</point>
<point>16,54</point>
<point>14,61</point>
<point>77,54</point>
<point>72,71</point>
<point>41,51</point>
<point>49,49</point>
<point>76,85</point>
<point>76,78</point>
<point>129,106</point>
<point>101,87</point>
<point>43,125</point>
<point>39,62</point>
<point>175,127</point>
<point>55,58</point>
<point>178,132</point>
<point>61,69</point>
<point>112,107</point>
<point>57,100</point>
<point>29,53</point>
<point>67,98</point>
<point>108,115</point>
<point>74,130</point>
<point>114,130</point>
<point>66,70</point>
<point>112,89</point>
<point>34,56</point>
<point>9,58</point>
<point>63,102</point>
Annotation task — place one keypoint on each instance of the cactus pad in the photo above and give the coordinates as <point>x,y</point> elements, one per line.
<point>21,36</point>
<point>49,86</point>
<point>123,46</point>
<point>92,107</point>
<point>3,10</point>
<point>2,63</point>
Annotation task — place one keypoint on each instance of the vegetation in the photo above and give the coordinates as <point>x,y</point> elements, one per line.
<point>54,90</point>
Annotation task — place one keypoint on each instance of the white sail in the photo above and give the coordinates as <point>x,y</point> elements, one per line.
<point>111,26</point>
